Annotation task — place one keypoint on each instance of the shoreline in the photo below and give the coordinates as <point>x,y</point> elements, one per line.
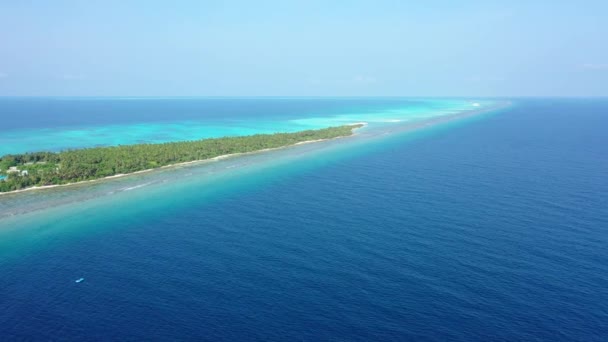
<point>410,127</point>
<point>214,159</point>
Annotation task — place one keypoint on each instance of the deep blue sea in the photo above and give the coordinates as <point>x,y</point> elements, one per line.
<point>491,227</point>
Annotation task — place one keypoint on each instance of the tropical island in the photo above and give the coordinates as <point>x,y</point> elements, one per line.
<point>37,169</point>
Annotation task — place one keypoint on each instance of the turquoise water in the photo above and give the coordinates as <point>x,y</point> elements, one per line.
<point>76,123</point>
<point>488,227</point>
<point>380,127</point>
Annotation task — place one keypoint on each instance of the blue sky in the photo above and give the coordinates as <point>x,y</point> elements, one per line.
<point>307,48</point>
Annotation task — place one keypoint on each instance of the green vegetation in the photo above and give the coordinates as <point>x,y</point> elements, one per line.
<point>48,168</point>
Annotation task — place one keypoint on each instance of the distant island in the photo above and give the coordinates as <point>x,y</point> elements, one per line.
<point>39,169</point>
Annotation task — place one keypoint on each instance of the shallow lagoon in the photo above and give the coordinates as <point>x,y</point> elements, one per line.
<point>55,124</point>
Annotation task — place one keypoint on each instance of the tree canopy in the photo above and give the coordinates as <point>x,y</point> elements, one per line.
<point>50,168</point>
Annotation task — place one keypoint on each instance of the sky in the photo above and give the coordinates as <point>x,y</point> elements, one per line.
<point>304,48</point>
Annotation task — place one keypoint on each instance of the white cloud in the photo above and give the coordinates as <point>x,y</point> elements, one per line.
<point>595,66</point>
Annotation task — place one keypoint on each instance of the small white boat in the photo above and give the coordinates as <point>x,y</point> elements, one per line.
<point>80,280</point>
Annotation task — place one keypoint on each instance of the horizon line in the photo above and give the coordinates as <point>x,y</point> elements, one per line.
<point>305,96</point>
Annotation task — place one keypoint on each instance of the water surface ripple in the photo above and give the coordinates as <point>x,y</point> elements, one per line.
<point>489,229</point>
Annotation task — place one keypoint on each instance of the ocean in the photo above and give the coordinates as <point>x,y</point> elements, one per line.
<point>51,123</point>
<point>429,224</point>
